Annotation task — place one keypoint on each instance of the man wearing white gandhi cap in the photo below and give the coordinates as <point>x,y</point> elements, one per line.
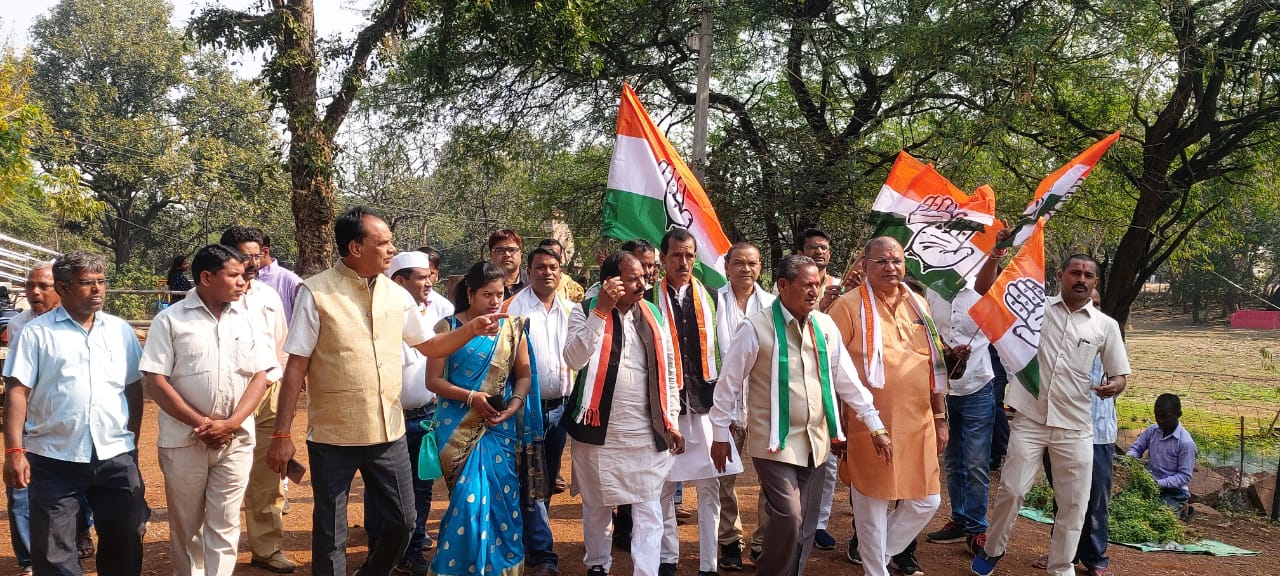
<point>411,270</point>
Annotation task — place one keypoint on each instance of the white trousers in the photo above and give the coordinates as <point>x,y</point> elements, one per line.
<point>204,488</point>
<point>828,472</point>
<point>882,533</point>
<point>708,518</point>
<point>1071,455</point>
<point>646,536</point>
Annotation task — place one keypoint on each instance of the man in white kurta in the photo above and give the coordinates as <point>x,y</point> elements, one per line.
<point>205,365</point>
<point>740,298</point>
<point>688,311</point>
<point>622,415</point>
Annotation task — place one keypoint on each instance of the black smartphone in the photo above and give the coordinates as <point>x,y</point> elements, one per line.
<point>497,403</point>
<point>294,471</point>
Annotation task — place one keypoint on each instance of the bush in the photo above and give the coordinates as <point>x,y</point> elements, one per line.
<point>1136,515</point>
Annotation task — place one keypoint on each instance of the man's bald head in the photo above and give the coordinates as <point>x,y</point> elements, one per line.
<point>881,242</point>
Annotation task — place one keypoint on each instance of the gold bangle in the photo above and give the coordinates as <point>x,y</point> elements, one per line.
<point>879,432</point>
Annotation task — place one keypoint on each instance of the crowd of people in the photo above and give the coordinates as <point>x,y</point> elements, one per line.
<point>660,381</point>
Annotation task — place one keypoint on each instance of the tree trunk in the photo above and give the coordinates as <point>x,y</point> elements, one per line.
<point>310,161</point>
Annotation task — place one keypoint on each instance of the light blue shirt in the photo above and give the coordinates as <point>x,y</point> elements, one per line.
<point>77,405</point>
<point>1104,409</point>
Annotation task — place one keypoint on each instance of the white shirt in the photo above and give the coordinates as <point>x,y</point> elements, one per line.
<point>413,385</point>
<point>731,389</point>
<point>304,330</point>
<point>439,306</point>
<point>1069,341</point>
<point>728,316</point>
<point>548,332</point>
<point>266,311</point>
<point>957,328</point>
<point>209,362</point>
<point>15,326</point>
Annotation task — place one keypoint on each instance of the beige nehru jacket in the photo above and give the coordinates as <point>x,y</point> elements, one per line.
<point>354,377</point>
<point>748,372</point>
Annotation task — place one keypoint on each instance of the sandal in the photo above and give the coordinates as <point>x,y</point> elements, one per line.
<point>1041,563</point>
<point>85,547</point>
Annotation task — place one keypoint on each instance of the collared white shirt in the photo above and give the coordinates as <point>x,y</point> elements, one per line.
<point>304,329</point>
<point>732,386</point>
<point>728,315</point>
<point>413,369</point>
<point>209,361</point>
<point>957,328</point>
<point>77,406</point>
<point>548,332</point>
<point>15,326</point>
<point>438,306</point>
<point>1069,341</point>
<point>266,311</point>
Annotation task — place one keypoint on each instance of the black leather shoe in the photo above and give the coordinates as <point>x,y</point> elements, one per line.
<point>731,557</point>
<point>667,569</point>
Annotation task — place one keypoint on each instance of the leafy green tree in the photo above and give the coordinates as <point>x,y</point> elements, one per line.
<point>154,129</point>
<point>1195,87</point>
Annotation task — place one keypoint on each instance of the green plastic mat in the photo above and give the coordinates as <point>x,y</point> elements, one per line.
<point>1211,547</point>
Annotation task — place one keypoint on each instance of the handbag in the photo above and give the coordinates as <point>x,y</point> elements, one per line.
<point>429,454</point>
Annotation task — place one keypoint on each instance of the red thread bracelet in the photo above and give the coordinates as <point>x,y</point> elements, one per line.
<point>274,436</point>
<point>13,450</point>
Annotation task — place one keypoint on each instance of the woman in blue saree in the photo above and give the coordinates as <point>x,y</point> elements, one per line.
<point>481,437</point>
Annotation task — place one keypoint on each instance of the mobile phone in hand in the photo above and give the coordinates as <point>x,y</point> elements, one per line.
<point>294,471</point>
<point>498,403</point>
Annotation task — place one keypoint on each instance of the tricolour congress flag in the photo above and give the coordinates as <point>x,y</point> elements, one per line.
<point>1054,191</point>
<point>1011,312</point>
<point>651,191</point>
<point>945,233</point>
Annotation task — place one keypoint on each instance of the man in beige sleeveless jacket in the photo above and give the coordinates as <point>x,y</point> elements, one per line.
<point>344,340</point>
<point>788,362</point>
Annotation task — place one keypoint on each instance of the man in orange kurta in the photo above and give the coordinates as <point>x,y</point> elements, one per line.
<point>909,393</point>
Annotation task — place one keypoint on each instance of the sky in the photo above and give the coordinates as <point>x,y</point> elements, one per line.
<point>332,16</point>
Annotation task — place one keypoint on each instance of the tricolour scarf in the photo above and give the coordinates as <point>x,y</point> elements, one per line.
<point>704,311</point>
<point>873,345</point>
<point>780,380</point>
<point>598,367</point>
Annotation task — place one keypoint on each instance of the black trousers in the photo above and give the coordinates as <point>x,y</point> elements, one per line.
<point>114,491</point>
<point>388,493</point>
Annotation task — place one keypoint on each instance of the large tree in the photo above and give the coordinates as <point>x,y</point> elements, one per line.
<point>1194,85</point>
<point>810,100</point>
<point>150,126</point>
<point>286,30</point>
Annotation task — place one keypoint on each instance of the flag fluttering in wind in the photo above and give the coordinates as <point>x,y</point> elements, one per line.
<point>1054,191</point>
<point>651,190</point>
<point>945,233</point>
<point>1011,313</point>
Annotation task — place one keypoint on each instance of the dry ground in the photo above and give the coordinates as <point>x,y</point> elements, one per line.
<point>1153,343</point>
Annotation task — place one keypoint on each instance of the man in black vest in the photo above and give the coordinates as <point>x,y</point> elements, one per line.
<point>622,413</point>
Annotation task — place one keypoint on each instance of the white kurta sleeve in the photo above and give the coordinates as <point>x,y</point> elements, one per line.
<point>849,387</point>
<point>729,403</point>
<point>585,333</point>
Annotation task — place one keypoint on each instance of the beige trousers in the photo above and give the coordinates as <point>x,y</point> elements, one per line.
<point>730,524</point>
<point>264,499</point>
<point>204,488</point>
<point>1071,455</point>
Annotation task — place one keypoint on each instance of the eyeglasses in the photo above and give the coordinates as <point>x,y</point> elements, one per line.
<point>505,250</point>
<point>90,283</point>
<point>254,257</point>
<point>886,261</point>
